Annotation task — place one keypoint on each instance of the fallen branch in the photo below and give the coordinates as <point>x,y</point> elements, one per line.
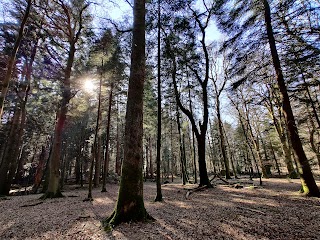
<point>252,210</point>
<point>83,217</point>
<point>189,192</point>
<point>31,205</point>
<point>72,196</point>
<point>218,176</point>
<point>87,200</point>
<point>4,198</point>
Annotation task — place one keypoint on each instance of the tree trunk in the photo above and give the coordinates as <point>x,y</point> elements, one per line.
<point>130,204</point>
<point>54,175</point>
<point>158,180</point>
<point>106,156</point>
<point>97,151</point>
<point>183,167</point>
<point>150,159</point>
<point>204,180</point>
<point>78,164</point>
<point>274,157</point>
<point>308,183</point>
<point>39,171</point>
<point>184,159</point>
<point>54,162</point>
<point>279,126</point>
<point>5,84</point>
<point>248,143</point>
<point>173,168</point>
<point>147,160</point>
<point>8,158</point>
<point>222,140</point>
<point>117,167</point>
<point>97,165</point>
<point>90,198</point>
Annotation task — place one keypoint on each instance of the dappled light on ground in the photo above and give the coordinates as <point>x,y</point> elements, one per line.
<point>272,211</point>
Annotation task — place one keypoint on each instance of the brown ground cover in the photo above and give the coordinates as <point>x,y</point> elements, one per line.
<point>273,211</point>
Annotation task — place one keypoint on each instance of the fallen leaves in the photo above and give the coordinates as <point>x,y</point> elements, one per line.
<point>273,211</point>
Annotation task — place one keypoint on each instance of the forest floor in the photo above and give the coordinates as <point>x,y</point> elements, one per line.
<point>272,211</point>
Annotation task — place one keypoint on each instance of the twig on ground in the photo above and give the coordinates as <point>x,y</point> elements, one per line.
<point>31,205</point>
<point>252,210</point>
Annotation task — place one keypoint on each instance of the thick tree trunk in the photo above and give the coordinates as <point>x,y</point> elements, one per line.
<point>204,180</point>
<point>54,175</point>
<point>308,183</point>
<point>130,204</point>
<point>54,162</point>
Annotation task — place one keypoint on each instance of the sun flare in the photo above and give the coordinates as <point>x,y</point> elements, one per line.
<point>89,86</point>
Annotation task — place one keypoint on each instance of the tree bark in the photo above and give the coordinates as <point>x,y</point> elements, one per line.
<point>8,157</point>
<point>204,180</point>
<point>130,204</point>
<point>158,180</point>
<point>39,170</point>
<point>308,183</point>
<point>222,140</point>
<point>117,167</point>
<point>5,84</point>
<point>106,156</point>
<point>279,126</point>
<point>182,153</point>
<point>54,167</point>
